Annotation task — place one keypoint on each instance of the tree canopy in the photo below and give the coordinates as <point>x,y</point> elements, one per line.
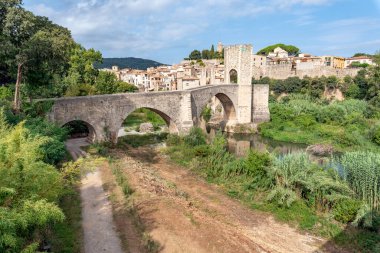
<point>362,54</point>
<point>206,54</point>
<point>292,50</point>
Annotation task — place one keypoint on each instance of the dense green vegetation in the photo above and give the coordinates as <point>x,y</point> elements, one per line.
<point>32,187</point>
<point>319,199</point>
<point>127,62</point>
<point>39,204</point>
<point>40,59</point>
<point>347,125</point>
<point>301,113</point>
<point>292,50</point>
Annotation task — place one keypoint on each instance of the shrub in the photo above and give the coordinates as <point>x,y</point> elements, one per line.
<point>305,120</point>
<point>346,139</point>
<point>173,139</point>
<point>346,210</point>
<point>353,91</point>
<point>54,148</point>
<point>206,113</point>
<point>98,149</point>
<point>257,162</point>
<point>201,151</point>
<point>196,137</point>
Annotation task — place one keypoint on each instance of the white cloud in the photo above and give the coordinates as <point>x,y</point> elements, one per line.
<point>139,26</point>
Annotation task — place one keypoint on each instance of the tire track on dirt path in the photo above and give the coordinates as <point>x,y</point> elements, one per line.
<point>97,220</point>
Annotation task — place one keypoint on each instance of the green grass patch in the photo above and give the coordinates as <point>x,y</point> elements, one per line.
<point>67,237</point>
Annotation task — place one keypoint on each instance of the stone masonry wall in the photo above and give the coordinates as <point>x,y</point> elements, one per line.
<point>283,71</point>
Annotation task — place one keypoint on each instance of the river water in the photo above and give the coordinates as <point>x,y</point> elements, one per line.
<point>240,144</point>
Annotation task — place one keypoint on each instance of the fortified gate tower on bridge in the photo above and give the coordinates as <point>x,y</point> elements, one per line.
<point>243,104</point>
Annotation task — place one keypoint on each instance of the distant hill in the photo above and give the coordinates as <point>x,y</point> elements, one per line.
<point>128,62</point>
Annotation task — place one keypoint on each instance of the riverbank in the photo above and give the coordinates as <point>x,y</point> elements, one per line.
<point>292,188</point>
<point>348,125</point>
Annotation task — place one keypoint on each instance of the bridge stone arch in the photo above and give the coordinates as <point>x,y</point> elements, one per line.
<point>170,119</point>
<point>91,129</point>
<point>227,95</point>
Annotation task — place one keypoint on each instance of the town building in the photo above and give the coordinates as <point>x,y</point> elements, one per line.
<point>359,59</point>
<point>278,64</point>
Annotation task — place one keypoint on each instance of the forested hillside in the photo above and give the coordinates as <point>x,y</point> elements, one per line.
<point>128,62</point>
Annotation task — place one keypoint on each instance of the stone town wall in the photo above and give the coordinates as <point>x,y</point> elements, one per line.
<point>283,71</point>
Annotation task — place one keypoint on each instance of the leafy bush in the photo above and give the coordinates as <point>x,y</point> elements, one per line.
<point>29,187</point>
<point>173,139</point>
<point>54,148</point>
<point>206,113</point>
<point>256,163</point>
<point>195,137</point>
<point>353,91</point>
<point>346,210</point>
<point>305,120</point>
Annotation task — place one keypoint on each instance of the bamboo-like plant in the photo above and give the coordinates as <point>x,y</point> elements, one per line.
<point>297,173</point>
<point>363,175</point>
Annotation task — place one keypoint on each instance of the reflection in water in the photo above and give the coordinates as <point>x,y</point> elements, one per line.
<point>240,144</point>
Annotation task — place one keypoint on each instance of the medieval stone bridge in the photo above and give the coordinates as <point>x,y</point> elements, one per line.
<point>243,103</point>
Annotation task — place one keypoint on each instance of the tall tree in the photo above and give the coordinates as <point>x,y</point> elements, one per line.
<point>212,52</point>
<point>19,26</point>
<point>82,70</point>
<point>206,54</point>
<point>39,49</point>
<point>195,55</point>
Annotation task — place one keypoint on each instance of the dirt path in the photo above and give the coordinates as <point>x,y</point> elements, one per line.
<point>185,214</point>
<point>97,221</point>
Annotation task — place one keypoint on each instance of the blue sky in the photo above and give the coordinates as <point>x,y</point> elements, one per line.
<point>167,30</point>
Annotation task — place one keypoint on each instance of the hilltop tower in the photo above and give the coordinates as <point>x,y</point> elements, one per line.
<point>220,47</point>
